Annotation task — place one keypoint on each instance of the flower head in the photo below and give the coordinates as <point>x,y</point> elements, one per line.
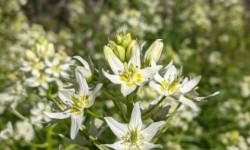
<point>133,136</point>
<point>129,75</point>
<point>76,101</point>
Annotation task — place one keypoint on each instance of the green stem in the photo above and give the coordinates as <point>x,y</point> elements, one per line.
<point>117,104</point>
<point>166,124</point>
<point>49,138</point>
<point>147,112</point>
<point>94,114</point>
<point>130,104</point>
<point>18,114</point>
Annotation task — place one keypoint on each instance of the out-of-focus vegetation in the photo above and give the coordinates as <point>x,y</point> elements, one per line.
<point>207,37</point>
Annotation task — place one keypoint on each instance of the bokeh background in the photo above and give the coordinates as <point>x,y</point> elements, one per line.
<point>207,37</point>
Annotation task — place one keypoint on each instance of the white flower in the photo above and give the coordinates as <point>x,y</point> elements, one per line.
<point>172,84</point>
<point>129,75</point>
<point>132,136</point>
<point>56,67</point>
<point>39,80</point>
<point>7,133</point>
<point>86,69</point>
<point>34,66</point>
<point>24,130</point>
<point>76,102</point>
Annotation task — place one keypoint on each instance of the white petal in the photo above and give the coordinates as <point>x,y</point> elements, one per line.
<point>85,63</point>
<point>117,146</point>
<point>158,78</point>
<point>189,85</point>
<point>85,72</point>
<point>170,74</point>
<point>76,121</point>
<point>117,128</point>
<point>115,64</point>
<point>113,78</point>
<point>84,88</point>
<point>58,115</point>
<point>151,130</point>
<point>188,102</point>
<point>135,120</point>
<point>148,146</point>
<point>135,57</point>
<point>169,64</point>
<point>94,94</point>
<point>211,95</point>
<point>148,73</point>
<point>64,95</point>
<point>126,90</point>
<point>156,87</point>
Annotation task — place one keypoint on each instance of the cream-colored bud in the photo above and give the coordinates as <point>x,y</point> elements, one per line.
<point>107,52</point>
<point>118,39</point>
<point>30,55</point>
<point>154,52</point>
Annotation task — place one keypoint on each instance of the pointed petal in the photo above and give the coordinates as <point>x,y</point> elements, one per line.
<point>156,87</point>
<point>151,130</point>
<point>58,115</point>
<point>84,71</point>
<point>117,128</point>
<point>148,73</point>
<point>169,64</point>
<point>94,94</point>
<point>117,146</point>
<point>189,85</point>
<point>188,102</point>
<point>115,64</point>
<point>170,74</point>
<point>135,57</point>
<point>158,78</point>
<point>64,95</point>
<point>84,62</point>
<point>83,86</point>
<point>126,90</point>
<point>211,95</point>
<point>113,78</point>
<point>135,120</point>
<point>76,121</point>
<point>148,146</point>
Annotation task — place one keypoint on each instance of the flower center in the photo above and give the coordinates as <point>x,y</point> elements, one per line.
<point>169,87</point>
<point>133,138</point>
<point>130,75</point>
<point>80,102</point>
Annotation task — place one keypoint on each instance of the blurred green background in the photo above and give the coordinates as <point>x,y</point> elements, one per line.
<point>206,37</point>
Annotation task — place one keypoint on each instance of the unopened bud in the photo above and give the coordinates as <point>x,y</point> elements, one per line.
<point>129,49</point>
<point>154,52</point>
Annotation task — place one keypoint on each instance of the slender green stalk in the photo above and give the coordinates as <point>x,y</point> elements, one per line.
<point>147,112</point>
<point>49,138</point>
<point>166,124</point>
<point>94,114</point>
<point>117,104</point>
<point>130,103</point>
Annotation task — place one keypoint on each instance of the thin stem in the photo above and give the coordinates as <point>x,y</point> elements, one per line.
<point>94,114</point>
<point>118,105</point>
<point>147,112</point>
<point>49,138</point>
<point>166,124</point>
<point>130,103</point>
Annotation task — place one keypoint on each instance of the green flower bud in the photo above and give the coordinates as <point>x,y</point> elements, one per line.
<point>120,52</point>
<point>129,49</point>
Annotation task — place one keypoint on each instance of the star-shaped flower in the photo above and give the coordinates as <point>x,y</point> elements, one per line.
<point>129,75</point>
<point>76,103</point>
<point>133,136</point>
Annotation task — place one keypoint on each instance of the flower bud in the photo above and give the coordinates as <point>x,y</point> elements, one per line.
<point>129,49</point>
<point>120,52</point>
<point>107,51</point>
<point>153,52</point>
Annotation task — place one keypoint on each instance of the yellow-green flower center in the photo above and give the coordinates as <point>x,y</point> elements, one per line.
<point>130,76</point>
<point>169,87</point>
<point>80,102</point>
